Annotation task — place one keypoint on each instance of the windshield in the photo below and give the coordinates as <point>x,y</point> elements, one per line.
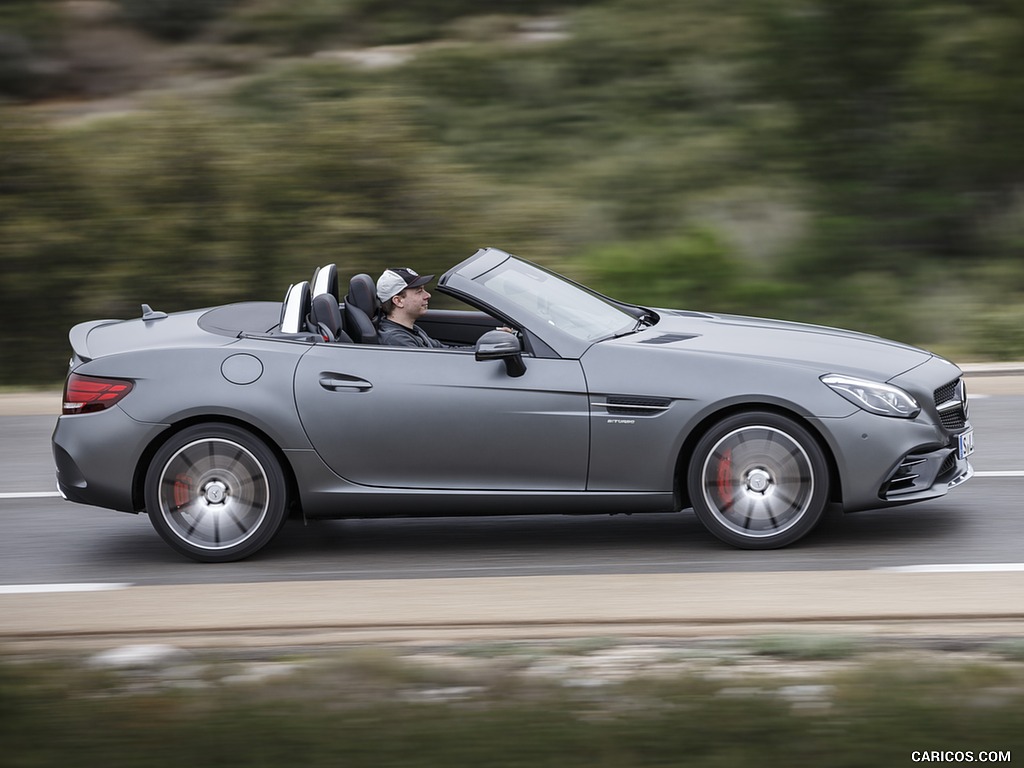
<point>568,307</point>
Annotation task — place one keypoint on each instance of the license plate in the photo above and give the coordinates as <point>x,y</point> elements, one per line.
<point>965,444</point>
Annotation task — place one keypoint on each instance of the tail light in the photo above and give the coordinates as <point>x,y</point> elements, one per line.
<point>88,394</point>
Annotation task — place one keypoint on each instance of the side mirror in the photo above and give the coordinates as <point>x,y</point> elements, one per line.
<point>501,345</point>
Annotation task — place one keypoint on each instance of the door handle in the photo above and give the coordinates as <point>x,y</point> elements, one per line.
<point>336,382</point>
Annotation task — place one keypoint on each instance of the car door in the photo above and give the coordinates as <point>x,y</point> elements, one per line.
<point>438,419</point>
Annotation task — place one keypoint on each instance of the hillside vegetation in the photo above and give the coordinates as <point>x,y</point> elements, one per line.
<point>850,162</point>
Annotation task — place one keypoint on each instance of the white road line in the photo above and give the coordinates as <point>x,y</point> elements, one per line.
<point>1006,473</point>
<point>956,568</point>
<point>35,589</point>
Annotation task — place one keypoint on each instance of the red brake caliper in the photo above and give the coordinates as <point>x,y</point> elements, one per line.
<point>725,479</point>
<point>182,491</point>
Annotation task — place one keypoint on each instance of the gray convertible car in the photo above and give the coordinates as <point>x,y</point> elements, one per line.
<point>221,423</point>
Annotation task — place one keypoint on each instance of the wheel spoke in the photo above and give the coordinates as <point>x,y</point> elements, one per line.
<point>749,516</point>
<point>790,501</point>
<point>235,465</point>
<point>185,460</point>
<point>197,518</point>
<point>729,503</point>
<point>236,520</point>
<point>795,453</point>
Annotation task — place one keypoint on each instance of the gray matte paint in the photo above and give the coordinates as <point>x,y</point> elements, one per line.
<point>368,431</point>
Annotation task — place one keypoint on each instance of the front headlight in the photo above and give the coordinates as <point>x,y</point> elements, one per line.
<point>874,396</point>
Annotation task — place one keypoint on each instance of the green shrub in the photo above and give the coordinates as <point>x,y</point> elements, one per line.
<point>28,32</point>
<point>173,19</point>
<point>998,330</point>
<point>295,27</point>
<point>694,270</point>
<point>367,715</point>
<point>17,77</point>
<point>47,247</point>
<point>809,647</point>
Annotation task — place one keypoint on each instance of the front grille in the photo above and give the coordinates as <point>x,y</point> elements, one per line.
<point>946,392</point>
<point>951,403</point>
<point>953,421</point>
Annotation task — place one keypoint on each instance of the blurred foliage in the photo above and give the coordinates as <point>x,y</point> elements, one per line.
<point>906,121</point>
<point>28,34</point>
<point>46,241</point>
<point>379,712</point>
<point>850,162</point>
<point>666,273</point>
<point>307,26</point>
<point>173,19</point>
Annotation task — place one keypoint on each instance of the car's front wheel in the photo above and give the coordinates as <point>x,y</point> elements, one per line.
<point>216,493</point>
<point>758,480</point>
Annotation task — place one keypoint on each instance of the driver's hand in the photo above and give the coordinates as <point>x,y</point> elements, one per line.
<point>505,328</point>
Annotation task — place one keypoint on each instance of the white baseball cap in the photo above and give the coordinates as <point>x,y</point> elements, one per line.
<point>396,280</point>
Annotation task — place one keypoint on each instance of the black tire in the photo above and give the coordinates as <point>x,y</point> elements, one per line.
<point>216,493</point>
<point>758,481</point>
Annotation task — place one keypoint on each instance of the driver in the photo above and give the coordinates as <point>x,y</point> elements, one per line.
<point>403,301</point>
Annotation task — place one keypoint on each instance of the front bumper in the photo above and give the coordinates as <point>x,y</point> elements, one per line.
<point>883,462</point>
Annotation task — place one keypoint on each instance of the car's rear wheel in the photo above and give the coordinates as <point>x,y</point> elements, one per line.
<point>758,480</point>
<point>216,493</point>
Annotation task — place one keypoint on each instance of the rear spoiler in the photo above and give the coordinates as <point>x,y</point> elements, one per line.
<point>79,337</point>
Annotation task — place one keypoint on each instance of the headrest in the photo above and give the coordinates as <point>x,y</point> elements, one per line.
<point>362,292</point>
<point>325,280</point>
<point>296,306</point>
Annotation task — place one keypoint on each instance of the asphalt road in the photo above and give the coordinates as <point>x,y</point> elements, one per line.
<point>72,575</point>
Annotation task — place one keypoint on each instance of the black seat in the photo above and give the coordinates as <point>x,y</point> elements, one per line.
<point>361,307</point>
<point>325,318</point>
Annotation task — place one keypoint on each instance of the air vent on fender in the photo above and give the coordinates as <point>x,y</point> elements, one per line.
<point>669,338</point>
<point>635,405</point>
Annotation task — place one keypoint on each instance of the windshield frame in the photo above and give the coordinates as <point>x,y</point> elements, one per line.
<point>552,299</point>
<point>477,280</point>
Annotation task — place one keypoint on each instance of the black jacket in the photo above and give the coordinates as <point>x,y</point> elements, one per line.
<point>394,334</point>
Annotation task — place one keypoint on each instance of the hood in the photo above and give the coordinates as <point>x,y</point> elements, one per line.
<point>828,350</point>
